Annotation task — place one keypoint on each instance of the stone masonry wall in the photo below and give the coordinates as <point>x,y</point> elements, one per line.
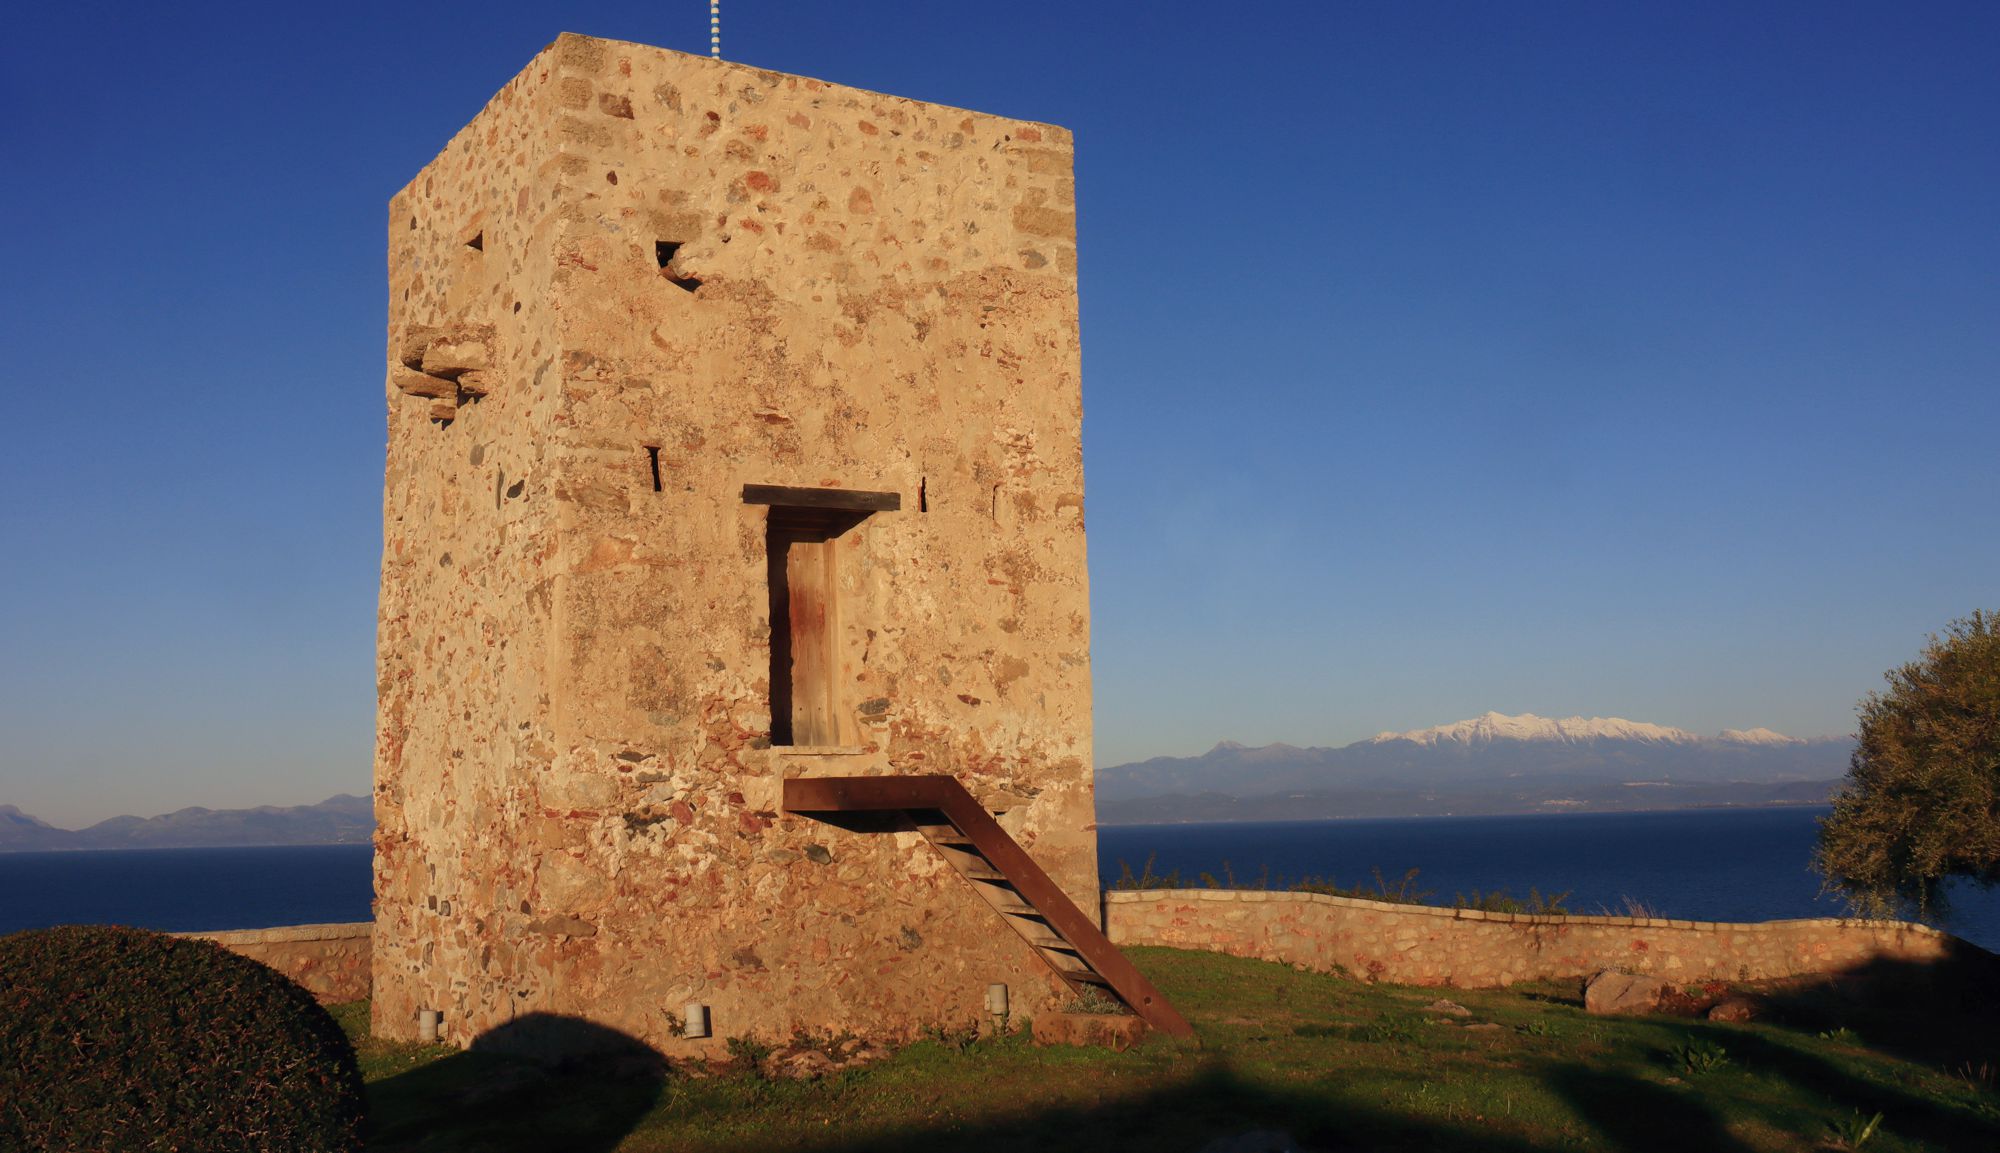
<point>331,961</point>
<point>578,798</point>
<point>464,625</point>
<point>1420,945</point>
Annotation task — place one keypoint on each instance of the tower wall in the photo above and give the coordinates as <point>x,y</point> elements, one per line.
<point>577,785</point>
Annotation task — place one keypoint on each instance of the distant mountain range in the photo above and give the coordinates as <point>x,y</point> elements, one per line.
<point>338,820</point>
<point>1489,764</point>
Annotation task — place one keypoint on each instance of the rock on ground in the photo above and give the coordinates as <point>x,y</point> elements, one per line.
<point>1615,992</point>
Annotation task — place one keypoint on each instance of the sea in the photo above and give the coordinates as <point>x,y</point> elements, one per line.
<point>1706,865</point>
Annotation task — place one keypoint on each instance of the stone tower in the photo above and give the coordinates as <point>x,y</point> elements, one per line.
<point>734,436</point>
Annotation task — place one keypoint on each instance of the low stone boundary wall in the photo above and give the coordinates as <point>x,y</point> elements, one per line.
<point>1423,945</point>
<point>331,961</point>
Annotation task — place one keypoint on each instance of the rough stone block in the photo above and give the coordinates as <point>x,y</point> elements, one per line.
<point>411,340</point>
<point>457,349</point>
<point>420,384</point>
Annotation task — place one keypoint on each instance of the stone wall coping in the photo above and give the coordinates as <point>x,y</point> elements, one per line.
<point>1141,896</point>
<point>282,934</point>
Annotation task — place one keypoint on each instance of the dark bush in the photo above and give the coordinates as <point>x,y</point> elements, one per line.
<point>114,1038</point>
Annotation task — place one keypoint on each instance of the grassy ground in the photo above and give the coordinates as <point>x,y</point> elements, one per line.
<point>1337,1064</point>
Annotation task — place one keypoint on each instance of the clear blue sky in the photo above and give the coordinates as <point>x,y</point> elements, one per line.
<point>1568,358</point>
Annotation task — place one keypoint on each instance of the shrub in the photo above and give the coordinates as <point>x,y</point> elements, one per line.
<point>1498,901</point>
<point>115,1038</point>
<point>1147,880</point>
<point>1403,892</point>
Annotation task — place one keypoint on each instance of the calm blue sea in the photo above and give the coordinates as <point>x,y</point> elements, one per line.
<point>1711,865</point>
<point>1698,865</point>
<point>187,890</point>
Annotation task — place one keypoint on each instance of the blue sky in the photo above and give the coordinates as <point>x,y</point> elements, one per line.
<point>1566,358</point>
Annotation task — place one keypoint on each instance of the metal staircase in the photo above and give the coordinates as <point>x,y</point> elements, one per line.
<point>1001,872</point>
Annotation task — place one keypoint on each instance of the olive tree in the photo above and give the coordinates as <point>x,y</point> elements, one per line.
<point>1921,803</point>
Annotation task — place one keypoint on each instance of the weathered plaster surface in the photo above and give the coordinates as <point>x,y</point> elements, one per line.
<point>576,796</point>
<point>1420,945</point>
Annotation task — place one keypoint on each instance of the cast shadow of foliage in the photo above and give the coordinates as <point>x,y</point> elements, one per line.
<point>1910,1116</point>
<point>541,1082</point>
<point>1942,1013</point>
<point>1639,1116</point>
<point>1218,1108</point>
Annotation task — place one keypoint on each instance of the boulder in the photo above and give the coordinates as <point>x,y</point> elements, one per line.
<point>1614,992</point>
<point>1734,1009</point>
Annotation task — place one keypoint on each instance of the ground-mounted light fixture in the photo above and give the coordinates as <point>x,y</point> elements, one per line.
<point>996,1006</point>
<point>694,1020</point>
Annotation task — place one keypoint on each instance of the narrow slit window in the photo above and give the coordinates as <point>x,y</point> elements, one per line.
<point>653,460</point>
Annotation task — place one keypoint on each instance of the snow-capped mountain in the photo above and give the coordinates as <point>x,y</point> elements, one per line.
<point>1759,737</point>
<point>1491,751</point>
<point>1489,727</point>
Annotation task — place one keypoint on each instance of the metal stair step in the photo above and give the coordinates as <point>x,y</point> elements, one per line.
<point>981,873</point>
<point>1087,976</point>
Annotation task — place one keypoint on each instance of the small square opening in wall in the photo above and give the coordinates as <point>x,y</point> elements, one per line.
<point>664,251</point>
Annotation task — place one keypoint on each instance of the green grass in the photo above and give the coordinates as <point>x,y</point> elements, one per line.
<point>1338,1064</point>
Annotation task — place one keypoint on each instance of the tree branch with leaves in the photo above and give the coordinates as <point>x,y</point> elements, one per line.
<point>1921,804</point>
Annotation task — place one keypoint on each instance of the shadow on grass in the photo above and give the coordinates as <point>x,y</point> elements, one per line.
<point>1942,1013</point>
<point>591,1093</point>
<point>1638,1116</point>
<point>541,1082</point>
<point>554,1083</point>
<point>1214,1107</point>
<point>1938,1124</point>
